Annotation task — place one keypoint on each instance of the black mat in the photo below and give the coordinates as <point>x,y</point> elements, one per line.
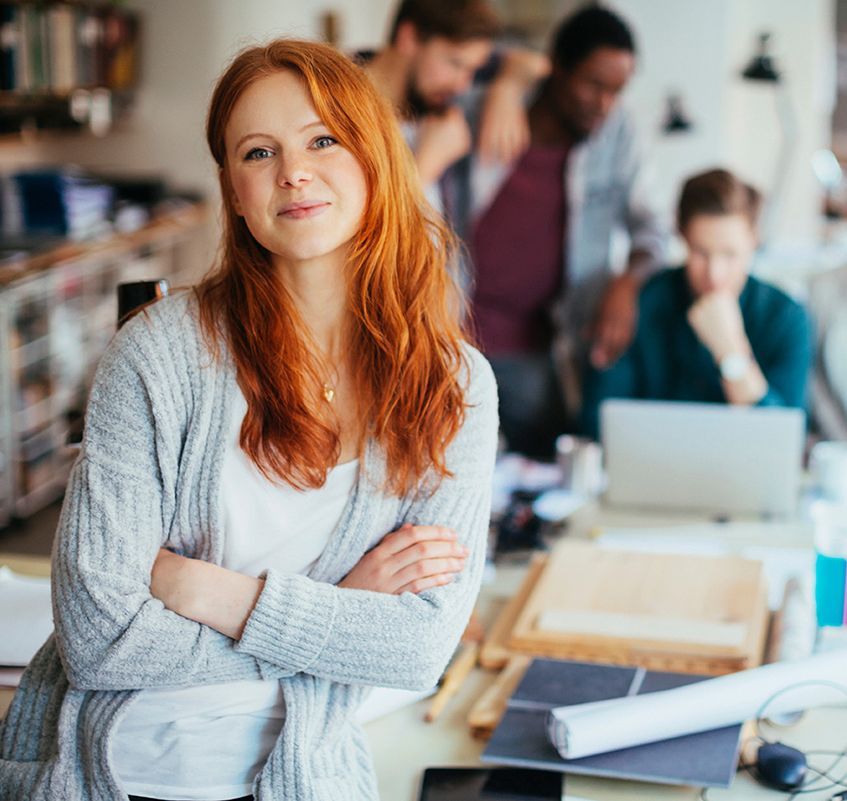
<point>707,759</point>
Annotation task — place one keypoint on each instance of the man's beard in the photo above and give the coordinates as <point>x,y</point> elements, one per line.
<point>571,130</point>
<point>417,105</point>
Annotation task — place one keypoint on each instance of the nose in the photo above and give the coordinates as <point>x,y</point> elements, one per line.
<point>293,171</point>
<point>715,273</point>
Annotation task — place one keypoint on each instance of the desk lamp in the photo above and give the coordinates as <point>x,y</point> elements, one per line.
<point>676,120</point>
<point>762,69</point>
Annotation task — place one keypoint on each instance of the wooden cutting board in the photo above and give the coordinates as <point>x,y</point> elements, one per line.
<point>693,614</point>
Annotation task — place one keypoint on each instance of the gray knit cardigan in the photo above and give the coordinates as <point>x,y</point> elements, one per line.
<point>148,475</point>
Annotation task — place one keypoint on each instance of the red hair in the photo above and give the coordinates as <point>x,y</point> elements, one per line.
<point>406,338</point>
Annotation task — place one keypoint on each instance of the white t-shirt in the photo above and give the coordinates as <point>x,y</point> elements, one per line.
<point>209,741</point>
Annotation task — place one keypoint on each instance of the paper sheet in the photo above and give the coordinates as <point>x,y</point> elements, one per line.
<point>595,728</point>
<point>10,677</point>
<point>26,617</point>
<point>383,700</point>
<point>780,562</point>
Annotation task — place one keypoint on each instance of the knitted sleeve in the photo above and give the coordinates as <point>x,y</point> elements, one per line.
<point>362,637</point>
<point>111,633</point>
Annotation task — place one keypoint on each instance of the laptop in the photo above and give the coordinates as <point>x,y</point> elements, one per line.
<point>703,457</point>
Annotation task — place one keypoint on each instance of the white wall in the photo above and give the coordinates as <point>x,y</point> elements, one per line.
<point>683,50</point>
<point>803,43</point>
<point>699,50</point>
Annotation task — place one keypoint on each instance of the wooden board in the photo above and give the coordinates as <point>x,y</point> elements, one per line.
<point>495,652</point>
<point>488,709</point>
<point>692,614</point>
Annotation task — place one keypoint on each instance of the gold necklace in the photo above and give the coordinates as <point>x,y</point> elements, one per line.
<point>328,388</point>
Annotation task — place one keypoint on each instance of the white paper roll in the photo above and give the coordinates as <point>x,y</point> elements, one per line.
<point>594,728</point>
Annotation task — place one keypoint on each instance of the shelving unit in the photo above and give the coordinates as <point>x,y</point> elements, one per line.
<point>66,63</point>
<point>57,314</point>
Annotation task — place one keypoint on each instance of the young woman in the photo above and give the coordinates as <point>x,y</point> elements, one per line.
<point>283,493</point>
<point>709,331</point>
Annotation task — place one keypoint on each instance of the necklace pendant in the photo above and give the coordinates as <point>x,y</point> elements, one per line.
<point>329,393</point>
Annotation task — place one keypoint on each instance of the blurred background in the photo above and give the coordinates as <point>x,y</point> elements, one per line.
<point>689,50</point>
<point>105,177</point>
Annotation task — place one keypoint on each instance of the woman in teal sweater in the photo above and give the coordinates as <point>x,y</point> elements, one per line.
<point>709,331</point>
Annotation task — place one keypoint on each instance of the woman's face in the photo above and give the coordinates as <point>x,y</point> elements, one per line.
<point>720,249</point>
<point>300,192</point>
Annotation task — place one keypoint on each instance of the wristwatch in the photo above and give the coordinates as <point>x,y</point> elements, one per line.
<point>734,366</point>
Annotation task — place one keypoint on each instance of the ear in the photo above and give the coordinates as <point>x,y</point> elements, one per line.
<point>407,40</point>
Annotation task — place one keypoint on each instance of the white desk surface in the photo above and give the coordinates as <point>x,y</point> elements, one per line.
<point>403,744</point>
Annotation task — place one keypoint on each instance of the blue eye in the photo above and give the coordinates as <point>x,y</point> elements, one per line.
<point>257,154</point>
<point>323,142</point>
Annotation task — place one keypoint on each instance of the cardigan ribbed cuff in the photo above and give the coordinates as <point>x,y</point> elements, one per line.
<point>291,622</point>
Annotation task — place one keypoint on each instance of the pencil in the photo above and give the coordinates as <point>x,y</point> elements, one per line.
<point>456,673</point>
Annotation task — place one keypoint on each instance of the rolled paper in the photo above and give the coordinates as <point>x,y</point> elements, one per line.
<point>595,728</point>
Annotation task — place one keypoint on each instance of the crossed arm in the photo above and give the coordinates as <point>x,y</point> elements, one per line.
<point>411,559</point>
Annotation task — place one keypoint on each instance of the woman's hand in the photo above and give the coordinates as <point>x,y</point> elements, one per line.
<point>411,559</point>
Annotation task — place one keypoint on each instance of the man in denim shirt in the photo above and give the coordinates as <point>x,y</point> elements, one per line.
<point>540,229</point>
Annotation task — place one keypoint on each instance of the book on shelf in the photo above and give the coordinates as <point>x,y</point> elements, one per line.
<point>9,43</point>
<point>54,48</point>
<point>61,38</point>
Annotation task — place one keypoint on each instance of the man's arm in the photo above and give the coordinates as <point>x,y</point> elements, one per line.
<point>504,128</point>
<point>620,380</point>
<point>442,139</point>
<point>617,314</point>
<point>781,379</point>
<point>788,374</point>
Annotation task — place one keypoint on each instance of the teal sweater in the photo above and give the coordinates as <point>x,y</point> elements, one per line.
<point>148,476</point>
<point>666,361</point>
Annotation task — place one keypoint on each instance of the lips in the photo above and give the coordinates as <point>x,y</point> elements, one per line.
<point>301,209</point>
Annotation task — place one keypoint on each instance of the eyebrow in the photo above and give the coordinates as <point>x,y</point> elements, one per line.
<point>315,124</point>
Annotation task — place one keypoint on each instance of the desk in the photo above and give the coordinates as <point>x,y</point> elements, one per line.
<point>29,566</point>
<point>403,745</point>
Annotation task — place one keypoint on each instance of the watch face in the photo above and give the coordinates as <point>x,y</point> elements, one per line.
<point>734,366</point>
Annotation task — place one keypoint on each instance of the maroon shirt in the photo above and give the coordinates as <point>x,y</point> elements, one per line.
<point>517,248</point>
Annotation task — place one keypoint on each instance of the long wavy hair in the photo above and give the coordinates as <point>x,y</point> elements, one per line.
<point>405,340</point>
